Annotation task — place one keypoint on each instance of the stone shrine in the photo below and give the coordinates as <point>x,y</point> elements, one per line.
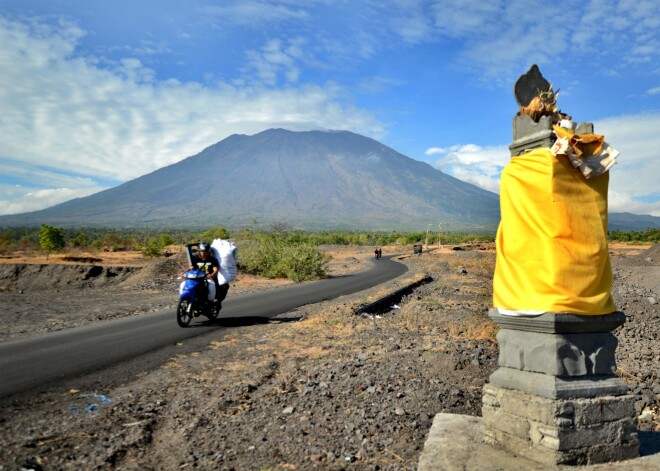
<point>555,398</point>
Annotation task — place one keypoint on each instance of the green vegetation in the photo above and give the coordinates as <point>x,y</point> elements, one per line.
<point>153,247</point>
<point>273,256</point>
<point>51,239</point>
<point>278,252</point>
<point>214,233</point>
<point>378,238</point>
<point>651,235</point>
<point>5,243</point>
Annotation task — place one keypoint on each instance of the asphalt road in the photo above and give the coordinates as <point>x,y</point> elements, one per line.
<point>35,362</point>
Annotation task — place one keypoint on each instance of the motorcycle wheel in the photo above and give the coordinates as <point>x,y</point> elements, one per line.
<point>184,313</point>
<point>213,312</point>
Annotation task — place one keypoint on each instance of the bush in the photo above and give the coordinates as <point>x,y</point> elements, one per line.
<point>79,241</point>
<point>651,235</point>
<point>153,247</point>
<point>214,233</point>
<point>277,258</point>
<point>166,239</point>
<point>303,262</point>
<point>51,239</point>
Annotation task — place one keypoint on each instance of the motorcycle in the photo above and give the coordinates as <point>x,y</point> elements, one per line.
<point>193,299</point>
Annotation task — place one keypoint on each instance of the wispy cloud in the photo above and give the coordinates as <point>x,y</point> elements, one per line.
<point>633,180</point>
<point>17,199</point>
<point>61,109</point>
<point>378,84</point>
<point>252,12</point>
<point>636,174</point>
<point>277,58</point>
<point>478,165</point>
<point>498,37</point>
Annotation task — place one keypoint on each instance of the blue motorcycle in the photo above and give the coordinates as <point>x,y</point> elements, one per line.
<point>193,299</point>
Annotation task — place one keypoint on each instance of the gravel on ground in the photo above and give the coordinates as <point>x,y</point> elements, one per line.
<point>331,390</point>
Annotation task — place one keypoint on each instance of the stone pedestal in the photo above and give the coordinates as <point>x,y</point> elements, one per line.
<point>555,398</point>
<point>529,135</point>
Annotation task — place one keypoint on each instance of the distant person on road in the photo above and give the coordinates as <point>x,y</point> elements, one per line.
<point>378,252</point>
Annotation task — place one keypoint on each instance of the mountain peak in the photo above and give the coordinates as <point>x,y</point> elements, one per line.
<point>315,179</point>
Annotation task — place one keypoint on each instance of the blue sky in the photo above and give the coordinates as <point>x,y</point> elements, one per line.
<point>95,93</point>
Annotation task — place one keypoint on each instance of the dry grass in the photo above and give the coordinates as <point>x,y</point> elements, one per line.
<point>476,330</point>
<point>128,258</point>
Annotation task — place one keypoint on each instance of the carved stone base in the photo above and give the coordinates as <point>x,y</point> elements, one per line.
<point>560,431</point>
<point>528,135</point>
<point>553,387</point>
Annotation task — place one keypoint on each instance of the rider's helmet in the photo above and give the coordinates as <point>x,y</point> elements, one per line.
<point>203,247</point>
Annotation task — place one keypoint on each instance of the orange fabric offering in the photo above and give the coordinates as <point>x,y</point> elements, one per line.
<point>552,239</point>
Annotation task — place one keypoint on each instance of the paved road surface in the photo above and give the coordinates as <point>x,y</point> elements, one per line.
<point>35,362</point>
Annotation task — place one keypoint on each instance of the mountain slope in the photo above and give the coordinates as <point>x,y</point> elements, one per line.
<point>315,179</point>
<point>632,222</point>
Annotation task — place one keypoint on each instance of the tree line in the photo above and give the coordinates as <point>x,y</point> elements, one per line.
<point>650,235</point>
<point>154,240</point>
<point>52,238</point>
<point>278,252</point>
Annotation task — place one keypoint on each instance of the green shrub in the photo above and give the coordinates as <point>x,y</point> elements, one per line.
<point>79,241</point>
<point>649,235</point>
<point>5,243</point>
<point>303,262</point>
<point>274,257</point>
<point>153,247</point>
<point>166,239</point>
<point>51,239</point>
<point>214,233</point>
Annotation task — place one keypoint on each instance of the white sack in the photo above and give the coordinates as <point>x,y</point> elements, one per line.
<point>225,252</point>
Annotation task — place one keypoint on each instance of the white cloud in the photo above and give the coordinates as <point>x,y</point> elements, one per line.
<point>435,150</point>
<point>499,38</point>
<point>633,180</point>
<point>277,58</point>
<point>619,203</point>
<point>65,112</point>
<point>17,199</point>
<point>474,164</point>
<point>653,91</point>
<point>635,175</point>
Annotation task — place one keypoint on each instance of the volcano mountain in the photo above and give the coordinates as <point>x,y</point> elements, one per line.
<point>310,180</point>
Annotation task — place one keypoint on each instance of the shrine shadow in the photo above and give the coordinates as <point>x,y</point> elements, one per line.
<point>649,443</point>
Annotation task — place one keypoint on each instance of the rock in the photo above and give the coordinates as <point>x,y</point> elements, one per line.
<point>288,410</point>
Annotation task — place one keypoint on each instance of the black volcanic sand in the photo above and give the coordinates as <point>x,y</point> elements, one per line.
<point>332,390</point>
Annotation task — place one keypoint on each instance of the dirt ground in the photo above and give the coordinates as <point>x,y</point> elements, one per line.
<point>55,294</point>
<point>332,390</point>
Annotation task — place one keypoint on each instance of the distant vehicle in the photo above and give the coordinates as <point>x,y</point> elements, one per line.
<point>417,249</point>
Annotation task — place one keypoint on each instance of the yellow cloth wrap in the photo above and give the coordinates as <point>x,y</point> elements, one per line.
<point>552,240</point>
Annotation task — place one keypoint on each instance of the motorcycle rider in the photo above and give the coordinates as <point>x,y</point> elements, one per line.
<point>209,265</point>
